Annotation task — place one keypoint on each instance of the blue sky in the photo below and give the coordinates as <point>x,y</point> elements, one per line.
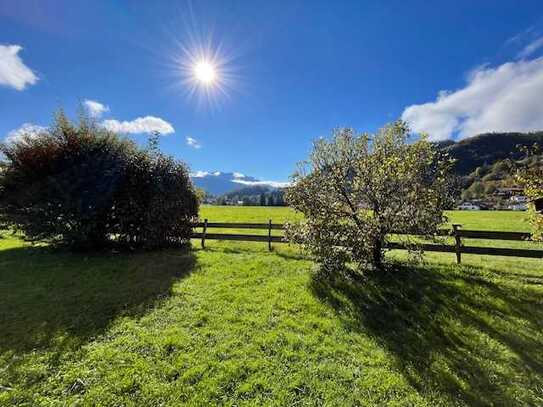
<point>290,71</point>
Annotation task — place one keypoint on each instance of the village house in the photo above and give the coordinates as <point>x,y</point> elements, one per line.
<point>468,206</point>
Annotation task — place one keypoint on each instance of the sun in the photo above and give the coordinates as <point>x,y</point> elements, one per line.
<point>205,73</point>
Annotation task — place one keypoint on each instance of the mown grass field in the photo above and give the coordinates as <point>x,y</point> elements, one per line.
<point>237,325</point>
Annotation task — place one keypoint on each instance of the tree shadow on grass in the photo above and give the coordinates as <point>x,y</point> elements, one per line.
<point>54,299</point>
<point>451,331</point>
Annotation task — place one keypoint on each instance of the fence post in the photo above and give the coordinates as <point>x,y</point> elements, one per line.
<point>458,240</point>
<point>269,235</point>
<point>204,234</point>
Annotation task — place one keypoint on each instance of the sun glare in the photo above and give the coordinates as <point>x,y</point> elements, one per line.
<point>205,73</point>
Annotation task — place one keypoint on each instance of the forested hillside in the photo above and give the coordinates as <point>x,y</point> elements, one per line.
<point>486,149</point>
<point>488,162</point>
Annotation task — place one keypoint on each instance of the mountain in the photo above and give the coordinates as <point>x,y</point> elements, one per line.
<point>220,183</point>
<point>486,164</point>
<point>485,149</point>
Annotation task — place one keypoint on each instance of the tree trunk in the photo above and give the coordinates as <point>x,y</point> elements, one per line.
<point>377,255</point>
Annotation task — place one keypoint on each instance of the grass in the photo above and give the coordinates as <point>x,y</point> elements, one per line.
<point>481,220</point>
<point>237,325</point>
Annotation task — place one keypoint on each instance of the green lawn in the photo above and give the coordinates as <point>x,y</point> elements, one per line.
<point>237,325</point>
<point>481,220</point>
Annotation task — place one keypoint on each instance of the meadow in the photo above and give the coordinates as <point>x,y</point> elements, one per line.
<point>235,324</point>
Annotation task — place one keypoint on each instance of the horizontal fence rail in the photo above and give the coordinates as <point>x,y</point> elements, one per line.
<point>234,225</point>
<point>491,235</point>
<point>458,234</point>
<point>230,236</point>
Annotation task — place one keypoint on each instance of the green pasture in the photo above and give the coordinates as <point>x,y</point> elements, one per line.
<point>235,324</point>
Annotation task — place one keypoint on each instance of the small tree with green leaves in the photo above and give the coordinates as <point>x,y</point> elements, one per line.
<point>355,190</point>
<point>530,176</point>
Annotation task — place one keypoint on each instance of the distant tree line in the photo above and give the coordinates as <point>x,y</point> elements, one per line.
<point>254,196</point>
<point>270,198</point>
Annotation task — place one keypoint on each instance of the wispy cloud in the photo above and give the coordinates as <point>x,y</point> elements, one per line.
<point>27,129</point>
<point>95,109</point>
<point>141,125</point>
<point>13,72</point>
<point>521,36</point>
<point>504,98</point>
<point>531,48</point>
<point>527,42</point>
<point>192,142</point>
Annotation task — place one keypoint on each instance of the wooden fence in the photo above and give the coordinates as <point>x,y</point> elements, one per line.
<point>456,232</point>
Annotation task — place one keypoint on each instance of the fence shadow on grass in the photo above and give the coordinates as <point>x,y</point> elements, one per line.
<point>53,299</point>
<point>451,330</point>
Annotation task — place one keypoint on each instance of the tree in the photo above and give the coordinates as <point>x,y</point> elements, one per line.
<point>530,176</point>
<point>262,200</point>
<point>82,186</point>
<point>280,200</point>
<point>477,189</point>
<point>355,190</point>
<point>466,195</point>
<point>200,195</point>
<point>490,188</point>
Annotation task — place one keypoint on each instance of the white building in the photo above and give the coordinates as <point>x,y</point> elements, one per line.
<point>519,206</point>
<point>468,206</point>
<point>518,203</point>
<point>518,199</point>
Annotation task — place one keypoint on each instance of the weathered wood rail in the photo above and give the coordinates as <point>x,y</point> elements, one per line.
<point>456,232</point>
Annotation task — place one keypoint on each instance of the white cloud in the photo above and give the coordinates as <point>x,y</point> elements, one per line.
<point>274,184</point>
<point>147,124</point>
<point>199,174</point>
<point>13,72</point>
<point>192,142</point>
<point>27,129</point>
<point>95,109</point>
<point>237,176</point>
<point>505,98</point>
<point>531,48</point>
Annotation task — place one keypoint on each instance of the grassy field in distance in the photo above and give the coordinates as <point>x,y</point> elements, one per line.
<point>236,324</point>
<point>480,220</point>
<point>514,221</point>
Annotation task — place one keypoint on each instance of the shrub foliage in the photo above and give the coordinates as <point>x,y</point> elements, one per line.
<point>82,186</point>
<point>356,189</point>
<point>530,176</point>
